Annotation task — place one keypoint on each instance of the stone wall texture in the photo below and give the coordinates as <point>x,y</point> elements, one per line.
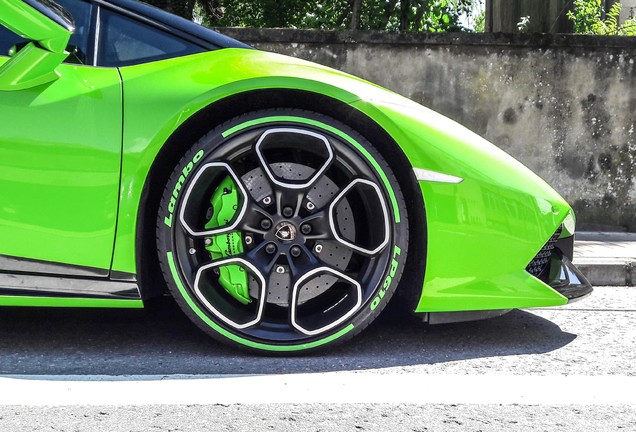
<point>564,105</point>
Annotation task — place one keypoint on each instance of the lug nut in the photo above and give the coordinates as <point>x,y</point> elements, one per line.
<point>318,248</point>
<point>266,224</point>
<point>288,212</point>
<point>192,251</point>
<point>295,251</point>
<point>270,248</point>
<point>280,269</point>
<point>305,229</point>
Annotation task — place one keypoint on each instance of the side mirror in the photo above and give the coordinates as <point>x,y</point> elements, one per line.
<point>17,47</point>
<point>50,27</point>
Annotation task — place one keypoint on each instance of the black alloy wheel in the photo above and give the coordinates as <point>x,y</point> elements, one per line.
<point>282,231</point>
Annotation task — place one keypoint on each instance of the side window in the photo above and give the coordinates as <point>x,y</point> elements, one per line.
<point>7,40</point>
<point>124,41</point>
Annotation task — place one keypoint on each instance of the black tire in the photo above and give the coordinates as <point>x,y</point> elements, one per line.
<point>281,286</point>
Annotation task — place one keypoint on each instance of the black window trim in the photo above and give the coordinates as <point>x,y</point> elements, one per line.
<point>65,21</point>
<point>95,23</point>
<point>203,44</point>
<point>90,37</point>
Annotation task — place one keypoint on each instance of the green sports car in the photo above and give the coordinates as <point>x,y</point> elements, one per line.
<point>282,203</point>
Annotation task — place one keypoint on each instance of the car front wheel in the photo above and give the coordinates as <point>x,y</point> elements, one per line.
<point>282,230</point>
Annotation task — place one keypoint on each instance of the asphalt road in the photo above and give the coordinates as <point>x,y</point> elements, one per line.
<point>547,369</point>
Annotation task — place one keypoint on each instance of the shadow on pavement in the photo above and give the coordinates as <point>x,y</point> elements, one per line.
<point>162,340</point>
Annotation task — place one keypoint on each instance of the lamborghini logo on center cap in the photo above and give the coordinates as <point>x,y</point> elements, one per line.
<point>285,231</point>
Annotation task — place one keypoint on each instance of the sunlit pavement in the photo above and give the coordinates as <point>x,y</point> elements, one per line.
<point>137,370</point>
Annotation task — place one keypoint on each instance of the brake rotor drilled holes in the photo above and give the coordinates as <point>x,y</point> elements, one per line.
<point>318,196</point>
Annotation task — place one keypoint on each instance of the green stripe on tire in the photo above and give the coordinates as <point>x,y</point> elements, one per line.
<point>246,342</point>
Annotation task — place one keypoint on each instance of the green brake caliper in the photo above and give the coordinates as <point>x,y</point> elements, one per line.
<point>232,277</point>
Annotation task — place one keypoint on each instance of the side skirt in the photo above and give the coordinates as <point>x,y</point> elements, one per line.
<point>456,317</point>
<point>58,291</point>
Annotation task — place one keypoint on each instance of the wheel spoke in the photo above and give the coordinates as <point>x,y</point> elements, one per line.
<point>200,287</point>
<point>272,139</point>
<point>261,259</point>
<point>334,315</point>
<point>304,263</point>
<point>374,245</point>
<point>282,234</point>
<point>252,220</point>
<point>198,192</point>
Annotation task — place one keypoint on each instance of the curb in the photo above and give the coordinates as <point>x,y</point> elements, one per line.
<point>608,271</point>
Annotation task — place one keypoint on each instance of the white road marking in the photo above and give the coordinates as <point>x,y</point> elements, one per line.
<point>332,387</point>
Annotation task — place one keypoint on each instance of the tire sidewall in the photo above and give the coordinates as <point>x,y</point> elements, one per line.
<point>194,158</point>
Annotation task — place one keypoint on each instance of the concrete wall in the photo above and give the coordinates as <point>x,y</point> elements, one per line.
<point>563,105</point>
<point>628,9</point>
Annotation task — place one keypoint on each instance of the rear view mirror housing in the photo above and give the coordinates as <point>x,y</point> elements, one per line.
<point>49,27</point>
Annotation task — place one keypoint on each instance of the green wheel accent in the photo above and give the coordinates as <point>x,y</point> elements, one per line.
<point>224,204</point>
<point>70,302</point>
<point>301,206</point>
<point>338,132</point>
<point>246,342</point>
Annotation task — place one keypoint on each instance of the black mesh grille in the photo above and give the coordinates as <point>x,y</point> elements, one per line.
<point>542,260</point>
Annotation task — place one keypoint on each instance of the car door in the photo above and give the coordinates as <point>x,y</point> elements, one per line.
<point>60,146</point>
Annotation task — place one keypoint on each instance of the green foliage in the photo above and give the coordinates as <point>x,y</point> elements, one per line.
<point>584,14</point>
<point>480,22</point>
<point>523,23</point>
<point>391,15</point>
<point>589,17</point>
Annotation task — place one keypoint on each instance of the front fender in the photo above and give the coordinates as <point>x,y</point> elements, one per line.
<point>187,86</point>
<point>482,231</point>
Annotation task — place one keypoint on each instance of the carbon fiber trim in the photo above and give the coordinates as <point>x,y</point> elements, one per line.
<point>539,266</point>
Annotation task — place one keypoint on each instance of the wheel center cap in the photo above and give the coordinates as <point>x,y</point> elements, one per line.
<point>285,231</point>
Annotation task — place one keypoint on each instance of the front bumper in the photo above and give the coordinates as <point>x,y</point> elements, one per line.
<point>553,265</point>
<point>563,276</point>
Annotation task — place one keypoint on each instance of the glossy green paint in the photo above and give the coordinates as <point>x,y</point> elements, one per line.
<point>60,147</point>
<point>481,233</point>
<point>34,64</point>
<point>484,231</point>
<point>69,302</point>
<point>187,85</point>
<point>30,67</point>
<point>27,22</point>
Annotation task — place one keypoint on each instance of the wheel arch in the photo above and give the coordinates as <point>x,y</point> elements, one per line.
<point>148,271</point>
